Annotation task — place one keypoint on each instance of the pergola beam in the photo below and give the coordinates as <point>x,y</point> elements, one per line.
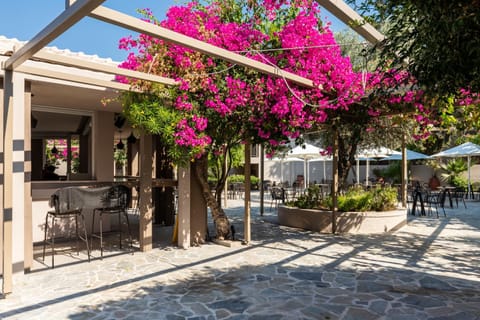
<point>59,25</point>
<point>74,78</point>
<point>351,18</point>
<point>137,25</point>
<point>93,66</point>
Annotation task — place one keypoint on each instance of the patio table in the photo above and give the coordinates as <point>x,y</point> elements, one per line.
<point>448,192</point>
<point>417,196</point>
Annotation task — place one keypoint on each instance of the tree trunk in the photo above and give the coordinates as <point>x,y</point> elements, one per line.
<point>347,148</point>
<point>222,225</point>
<point>222,169</point>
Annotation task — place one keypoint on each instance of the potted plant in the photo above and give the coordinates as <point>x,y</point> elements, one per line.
<point>359,211</point>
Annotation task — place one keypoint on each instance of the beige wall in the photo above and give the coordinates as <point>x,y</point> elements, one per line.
<point>104,130</point>
<point>420,173</point>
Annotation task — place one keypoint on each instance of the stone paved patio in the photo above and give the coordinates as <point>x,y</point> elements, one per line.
<point>428,270</point>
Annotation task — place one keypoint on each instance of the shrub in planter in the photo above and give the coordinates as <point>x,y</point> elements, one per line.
<point>311,199</point>
<point>384,199</point>
<point>355,199</point>
<point>360,201</point>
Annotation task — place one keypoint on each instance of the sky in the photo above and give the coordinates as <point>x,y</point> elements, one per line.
<point>23,19</point>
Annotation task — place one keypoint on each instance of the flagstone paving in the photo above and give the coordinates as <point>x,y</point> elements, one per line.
<point>427,270</point>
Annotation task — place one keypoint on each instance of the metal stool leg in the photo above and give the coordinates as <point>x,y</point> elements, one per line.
<point>101,234</point>
<point>77,235</point>
<point>45,237</point>
<point>85,235</point>
<point>52,241</point>
<point>93,227</point>
<point>120,226</point>
<point>129,231</point>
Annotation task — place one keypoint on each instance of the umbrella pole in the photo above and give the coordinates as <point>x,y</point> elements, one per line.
<point>403,188</point>
<point>324,175</point>
<point>366,173</point>
<point>305,173</point>
<point>358,171</point>
<point>468,187</point>
<point>281,171</point>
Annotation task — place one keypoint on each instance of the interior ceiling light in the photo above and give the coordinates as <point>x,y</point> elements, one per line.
<point>54,149</point>
<point>131,138</point>
<point>120,145</point>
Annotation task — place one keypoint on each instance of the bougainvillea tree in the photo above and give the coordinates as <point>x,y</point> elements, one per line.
<point>218,105</point>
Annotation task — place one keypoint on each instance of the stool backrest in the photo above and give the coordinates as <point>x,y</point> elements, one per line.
<point>56,202</point>
<point>118,196</point>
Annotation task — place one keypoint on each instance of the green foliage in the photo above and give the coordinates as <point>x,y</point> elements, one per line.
<point>457,123</point>
<point>311,199</point>
<point>216,162</point>
<point>240,178</point>
<point>360,200</point>
<point>392,173</point>
<point>452,172</point>
<point>384,199</point>
<point>353,47</point>
<point>153,114</point>
<point>460,182</point>
<point>120,156</point>
<point>438,41</point>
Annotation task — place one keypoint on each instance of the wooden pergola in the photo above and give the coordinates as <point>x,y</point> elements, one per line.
<point>14,152</point>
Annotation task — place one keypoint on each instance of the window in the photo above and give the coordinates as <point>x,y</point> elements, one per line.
<point>61,144</point>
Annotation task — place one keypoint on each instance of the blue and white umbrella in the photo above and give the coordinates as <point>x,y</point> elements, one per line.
<point>466,149</point>
<point>411,155</point>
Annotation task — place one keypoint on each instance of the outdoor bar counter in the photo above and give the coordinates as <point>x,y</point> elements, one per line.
<point>42,191</point>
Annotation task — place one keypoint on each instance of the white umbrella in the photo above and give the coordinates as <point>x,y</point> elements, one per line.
<point>306,152</point>
<point>379,152</point>
<point>282,160</point>
<point>323,159</point>
<point>467,149</point>
<point>367,154</point>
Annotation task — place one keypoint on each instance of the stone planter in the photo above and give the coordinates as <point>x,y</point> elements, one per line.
<point>346,222</point>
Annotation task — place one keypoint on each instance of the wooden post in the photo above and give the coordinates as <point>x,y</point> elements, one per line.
<point>403,188</point>
<point>335,181</point>
<point>6,170</point>
<point>27,180</point>
<point>262,177</point>
<point>225,187</point>
<point>246,221</point>
<point>146,217</point>
<point>184,207</point>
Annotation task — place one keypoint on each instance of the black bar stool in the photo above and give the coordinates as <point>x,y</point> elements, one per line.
<point>117,201</point>
<point>60,213</point>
